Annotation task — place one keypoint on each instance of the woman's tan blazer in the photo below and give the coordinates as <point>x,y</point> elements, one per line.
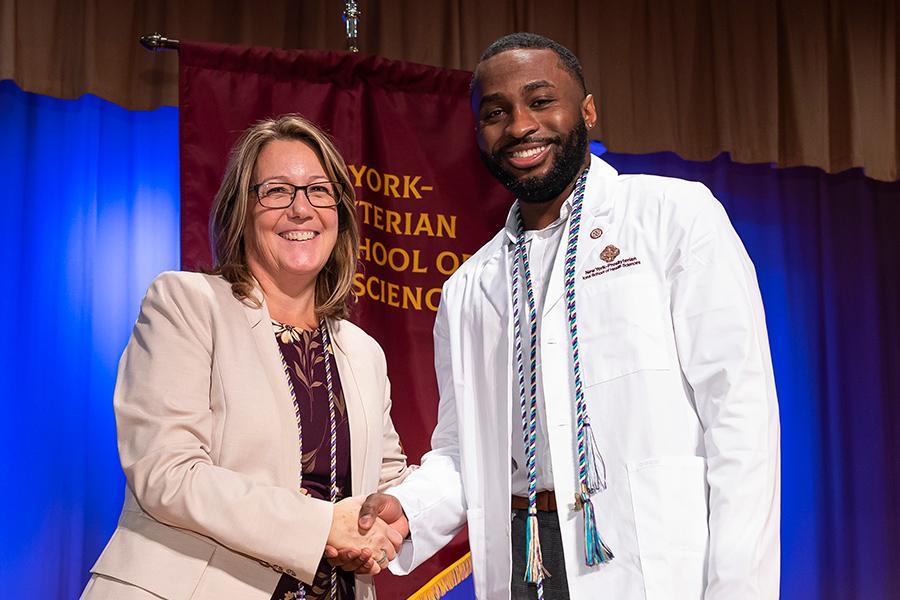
<point>209,445</point>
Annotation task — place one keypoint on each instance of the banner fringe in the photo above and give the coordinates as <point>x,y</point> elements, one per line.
<point>446,580</point>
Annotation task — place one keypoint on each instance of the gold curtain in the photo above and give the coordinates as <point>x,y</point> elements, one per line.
<point>791,82</point>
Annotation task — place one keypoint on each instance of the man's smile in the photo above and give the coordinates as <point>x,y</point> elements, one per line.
<point>527,158</point>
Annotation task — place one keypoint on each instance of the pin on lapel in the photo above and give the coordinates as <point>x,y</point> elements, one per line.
<point>609,253</point>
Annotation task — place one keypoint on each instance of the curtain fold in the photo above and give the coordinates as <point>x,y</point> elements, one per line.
<point>90,217</point>
<point>827,256</point>
<point>80,251</point>
<point>791,82</point>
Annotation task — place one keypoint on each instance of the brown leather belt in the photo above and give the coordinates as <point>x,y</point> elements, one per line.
<point>546,502</point>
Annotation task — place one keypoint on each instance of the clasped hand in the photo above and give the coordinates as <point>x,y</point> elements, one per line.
<point>365,536</point>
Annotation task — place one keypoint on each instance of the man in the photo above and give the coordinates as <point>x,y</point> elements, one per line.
<point>604,373</point>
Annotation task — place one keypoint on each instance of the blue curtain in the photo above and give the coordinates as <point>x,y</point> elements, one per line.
<point>91,215</point>
<point>827,255</point>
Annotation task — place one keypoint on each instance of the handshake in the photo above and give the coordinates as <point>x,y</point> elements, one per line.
<point>366,535</point>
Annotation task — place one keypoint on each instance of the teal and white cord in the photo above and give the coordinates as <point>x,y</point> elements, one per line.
<point>591,470</point>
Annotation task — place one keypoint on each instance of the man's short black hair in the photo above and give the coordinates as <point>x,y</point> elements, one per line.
<point>524,40</point>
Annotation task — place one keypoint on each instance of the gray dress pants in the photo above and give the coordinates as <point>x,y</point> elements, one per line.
<point>555,587</point>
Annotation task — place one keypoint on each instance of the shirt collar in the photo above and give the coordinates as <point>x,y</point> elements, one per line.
<point>512,225</point>
<point>600,170</point>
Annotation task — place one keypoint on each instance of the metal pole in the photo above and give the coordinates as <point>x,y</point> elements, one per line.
<point>156,42</point>
<point>351,20</point>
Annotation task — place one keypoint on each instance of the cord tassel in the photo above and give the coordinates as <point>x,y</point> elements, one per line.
<point>534,561</point>
<point>595,551</point>
<point>596,467</point>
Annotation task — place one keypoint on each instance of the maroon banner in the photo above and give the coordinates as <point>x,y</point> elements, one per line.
<point>425,201</point>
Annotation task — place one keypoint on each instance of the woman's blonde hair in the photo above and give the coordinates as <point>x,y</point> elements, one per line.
<point>229,214</point>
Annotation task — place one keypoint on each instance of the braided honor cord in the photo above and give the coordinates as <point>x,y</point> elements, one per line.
<point>591,471</point>
<point>332,422</point>
<point>326,350</point>
<point>589,459</point>
<point>534,567</point>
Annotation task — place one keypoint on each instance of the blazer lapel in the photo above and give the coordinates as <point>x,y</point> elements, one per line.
<point>267,348</point>
<point>270,358</point>
<point>357,415</point>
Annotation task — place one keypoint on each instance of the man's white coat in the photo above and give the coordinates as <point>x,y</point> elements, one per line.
<point>679,389</point>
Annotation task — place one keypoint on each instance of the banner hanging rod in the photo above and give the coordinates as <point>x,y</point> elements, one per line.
<point>156,42</point>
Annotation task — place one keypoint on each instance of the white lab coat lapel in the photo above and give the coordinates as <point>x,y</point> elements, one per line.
<point>494,281</point>
<point>595,215</point>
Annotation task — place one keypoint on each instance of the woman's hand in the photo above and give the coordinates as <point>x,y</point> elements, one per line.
<point>351,559</point>
<point>355,549</point>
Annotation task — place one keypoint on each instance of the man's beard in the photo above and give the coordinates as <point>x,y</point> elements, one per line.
<point>537,190</point>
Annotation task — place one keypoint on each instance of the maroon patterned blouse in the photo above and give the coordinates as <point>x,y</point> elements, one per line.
<point>302,351</point>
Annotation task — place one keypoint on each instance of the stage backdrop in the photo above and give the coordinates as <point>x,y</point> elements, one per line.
<point>406,133</point>
<point>825,247</point>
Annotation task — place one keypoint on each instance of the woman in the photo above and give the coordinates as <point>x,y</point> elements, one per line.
<point>247,408</point>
